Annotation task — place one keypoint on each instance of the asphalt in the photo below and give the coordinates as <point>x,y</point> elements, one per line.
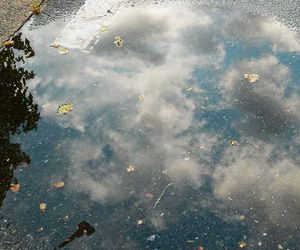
<point>13,14</point>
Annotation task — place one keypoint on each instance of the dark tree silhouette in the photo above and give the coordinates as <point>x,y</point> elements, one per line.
<point>18,113</point>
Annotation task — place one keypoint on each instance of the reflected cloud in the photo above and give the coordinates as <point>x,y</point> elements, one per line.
<point>180,61</point>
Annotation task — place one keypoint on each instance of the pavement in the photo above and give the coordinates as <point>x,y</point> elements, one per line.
<point>13,14</point>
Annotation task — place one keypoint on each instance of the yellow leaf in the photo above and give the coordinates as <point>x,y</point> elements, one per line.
<point>190,241</point>
<point>55,44</point>
<point>104,29</point>
<point>7,43</point>
<point>233,143</point>
<point>65,108</point>
<point>252,78</point>
<point>242,217</point>
<point>141,98</point>
<point>118,41</point>
<point>140,222</point>
<point>242,244</point>
<point>63,51</point>
<point>14,187</point>
<point>130,169</point>
<point>58,184</point>
<point>43,207</point>
<point>36,8</point>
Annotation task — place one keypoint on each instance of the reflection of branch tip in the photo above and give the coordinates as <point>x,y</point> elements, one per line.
<point>162,194</point>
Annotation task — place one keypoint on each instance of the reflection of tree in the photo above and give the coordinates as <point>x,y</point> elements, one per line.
<point>18,113</point>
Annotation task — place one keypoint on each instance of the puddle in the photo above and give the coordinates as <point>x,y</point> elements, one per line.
<point>159,127</point>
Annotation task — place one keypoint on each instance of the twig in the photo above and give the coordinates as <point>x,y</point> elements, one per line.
<point>162,194</point>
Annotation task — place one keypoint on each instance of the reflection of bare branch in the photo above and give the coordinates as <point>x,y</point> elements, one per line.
<point>162,194</point>
<point>108,12</point>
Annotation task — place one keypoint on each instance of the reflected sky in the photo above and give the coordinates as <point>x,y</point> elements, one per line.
<point>166,102</point>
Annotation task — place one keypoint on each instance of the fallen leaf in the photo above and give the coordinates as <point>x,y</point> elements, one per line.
<point>149,195</point>
<point>252,78</point>
<point>140,222</point>
<point>58,184</point>
<point>29,54</point>
<point>130,169</point>
<point>200,248</point>
<point>7,43</point>
<point>63,51</point>
<point>190,241</point>
<point>43,207</point>
<point>36,8</point>
<point>141,98</point>
<point>14,187</point>
<point>118,41</point>
<point>104,29</point>
<point>65,108</point>
<point>242,217</point>
<point>55,45</point>
<point>242,244</point>
<point>233,143</point>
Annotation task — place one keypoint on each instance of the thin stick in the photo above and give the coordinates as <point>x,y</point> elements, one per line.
<point>162,194</point>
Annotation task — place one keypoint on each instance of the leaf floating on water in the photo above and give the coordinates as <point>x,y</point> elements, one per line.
<point>140,222</point>
<point>242,244</point>
<point>118,41</point>
<point>149,195</point>
<point>252,78</point>
<point>63,51</point>
<point>233,143</point>
<point>8,43</point>
<point>242,217</point>
<point>130,169</point>
<point>14,187</point>
<point>141,98</point>
<point>43,207</point>
<point>58,184</point>
<point>55,45</point>
<point>65,108</point>
<point>104,29</point>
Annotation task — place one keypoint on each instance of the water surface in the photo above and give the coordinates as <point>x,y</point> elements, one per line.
<point>169,102</point>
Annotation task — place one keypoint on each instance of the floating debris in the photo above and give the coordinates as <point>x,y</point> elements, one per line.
<point>233,143</point>
<point>58,184</point>
<point>130,169</point>
<point>200,248</point>
<point>36,8</point>
<point>104,29</point>
<point>162,194</point>
<point>151,237</point>
<point>190,241</point>
<point>242,244</point>
<point>8,43</point>
<point>43,207</point>
<point>63,51</point>
<point>149,195</point>
<point>14,187</point>
<point>242,217</point>
<point>118,41</point>
<point>55,45</point>
<point>280,246</point>
<point>252,78</point>
<point>29,54</point>
<point>140,222</point>
<point>141,98</point>
<point>189,89</point>
<point>65,108</point>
